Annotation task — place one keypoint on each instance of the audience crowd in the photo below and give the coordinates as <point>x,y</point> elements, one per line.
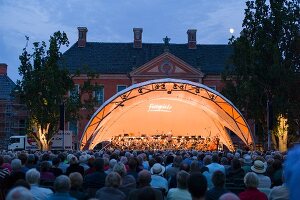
<point>154,175</point>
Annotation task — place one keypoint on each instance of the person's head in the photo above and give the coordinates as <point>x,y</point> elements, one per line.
<point>215,158</point>
<point>98,164</point>
<point>177,161</point>
<point>195,167</point>
<point>23,158</point>
<point>197,185</point>
<point>235,163</point>
<point>62,184</point>
<point>16,164</point>
<point>76,180</point>
<point>120,169</point>
<point>229,196</point>
<point>258,167</point>
<point>61,157</point>
<point>144,178</point>
<point>113,179</point>
<point>33,176</point>
<point>73,160</point>
<point>45,166</point>
<point>251,180</point>
<point>112,163</point>
<point>31,159</point>
<point>218,179</point>
<point>224,161</point>
<point>132,164</point>
<point>55,161</point>
<point>19,193</point>
<point>181,178</point>
<point>207,160</point>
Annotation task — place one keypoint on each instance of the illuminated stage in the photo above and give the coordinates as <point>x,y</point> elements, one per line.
<point>167,106</point>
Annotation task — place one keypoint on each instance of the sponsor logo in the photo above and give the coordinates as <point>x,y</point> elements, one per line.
<point>159,108</point>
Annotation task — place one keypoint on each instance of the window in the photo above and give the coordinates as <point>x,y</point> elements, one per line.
<point>73,126</point>
<point>14,140</point>
<point>99,95</point>
<point>121,87</point>
<point>213,87</point>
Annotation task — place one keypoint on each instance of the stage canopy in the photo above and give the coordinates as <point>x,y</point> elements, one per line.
<point>167,106</point>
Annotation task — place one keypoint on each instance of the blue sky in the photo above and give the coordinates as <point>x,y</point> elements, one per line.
<point>113,20</point>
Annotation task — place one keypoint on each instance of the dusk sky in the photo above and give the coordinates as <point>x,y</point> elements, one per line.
<point>113,20</point>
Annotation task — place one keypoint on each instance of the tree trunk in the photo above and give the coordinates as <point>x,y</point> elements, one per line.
<point>44,144</point>
<point>282,133</point>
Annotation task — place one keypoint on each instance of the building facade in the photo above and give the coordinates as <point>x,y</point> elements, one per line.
<point>119,65</point>
<point>13,115</point>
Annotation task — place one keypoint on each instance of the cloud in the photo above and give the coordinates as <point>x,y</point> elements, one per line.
<point>112,21</point>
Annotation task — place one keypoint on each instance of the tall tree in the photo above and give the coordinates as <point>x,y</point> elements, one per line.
<point>45,85</point>
<point>265,64</point>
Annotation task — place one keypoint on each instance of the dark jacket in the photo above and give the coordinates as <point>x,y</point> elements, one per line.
<point>75,168</point>
<point>215,193</point>
<point>94,181</point>
<point>134,194</point>
<point>110,193</point>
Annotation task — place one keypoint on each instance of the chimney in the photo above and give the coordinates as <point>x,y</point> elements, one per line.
<point>82,36</point>
<point>3,69</point>
<point>192,42</point>
<point>137,42</point>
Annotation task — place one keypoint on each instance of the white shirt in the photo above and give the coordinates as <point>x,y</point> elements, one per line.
<point>178,194</point>
<point>39,193</point>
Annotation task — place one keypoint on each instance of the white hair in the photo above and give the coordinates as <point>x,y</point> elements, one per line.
<point>251,180</point>
<point>19,193</point>
<point>16,164</point>
<point>33,176</point>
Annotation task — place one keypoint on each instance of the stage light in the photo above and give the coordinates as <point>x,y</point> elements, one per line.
<point>169,92</point>
<point>140,90</point>
<point>163,86</point>
<point>175,86</point>
<point>197,90</point>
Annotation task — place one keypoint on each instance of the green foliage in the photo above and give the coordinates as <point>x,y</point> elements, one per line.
<point>44,83</point>
<point>266,61</point>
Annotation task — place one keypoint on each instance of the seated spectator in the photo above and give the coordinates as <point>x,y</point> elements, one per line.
<point>112,163</point>
<point>181,191</point>
<point>4,172</point>
<point>111,191</point>
<point>247,163</point>
<point>96,180</point>
<point>33,178</point>
<point>252,193</point>
<point>83,160</point>
<point>23,158</point>
<point>197,186</point>
<point>229,196</point>
<point>276,173</point>
<point>214,165</point>
<point>128,182</point>
<point>132,167</point>
<point>54,169</point>
<point>144,179</point>
<point>76,190</point>
<point>19,193</point>
<point>46,174</point>
<point>22,183</point>
<point>158,181</point>
<point>90,163</point>
<point>31,161</point>
<point>235,171</point>
<point>62,165</point>
<point>172,171</point>
<point>292,172</point>
<point>62,187</point>
<point>15,175</point>
<point>259,168</point>
<point>218,180</point>
<point>74,166</point>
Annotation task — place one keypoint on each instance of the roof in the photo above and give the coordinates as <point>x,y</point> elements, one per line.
<point>122,58</point>
<point>6,86</point>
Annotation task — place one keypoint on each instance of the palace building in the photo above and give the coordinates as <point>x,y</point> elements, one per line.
<point>120,65</point>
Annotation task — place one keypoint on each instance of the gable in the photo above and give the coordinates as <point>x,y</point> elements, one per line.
<point>168,65</point>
